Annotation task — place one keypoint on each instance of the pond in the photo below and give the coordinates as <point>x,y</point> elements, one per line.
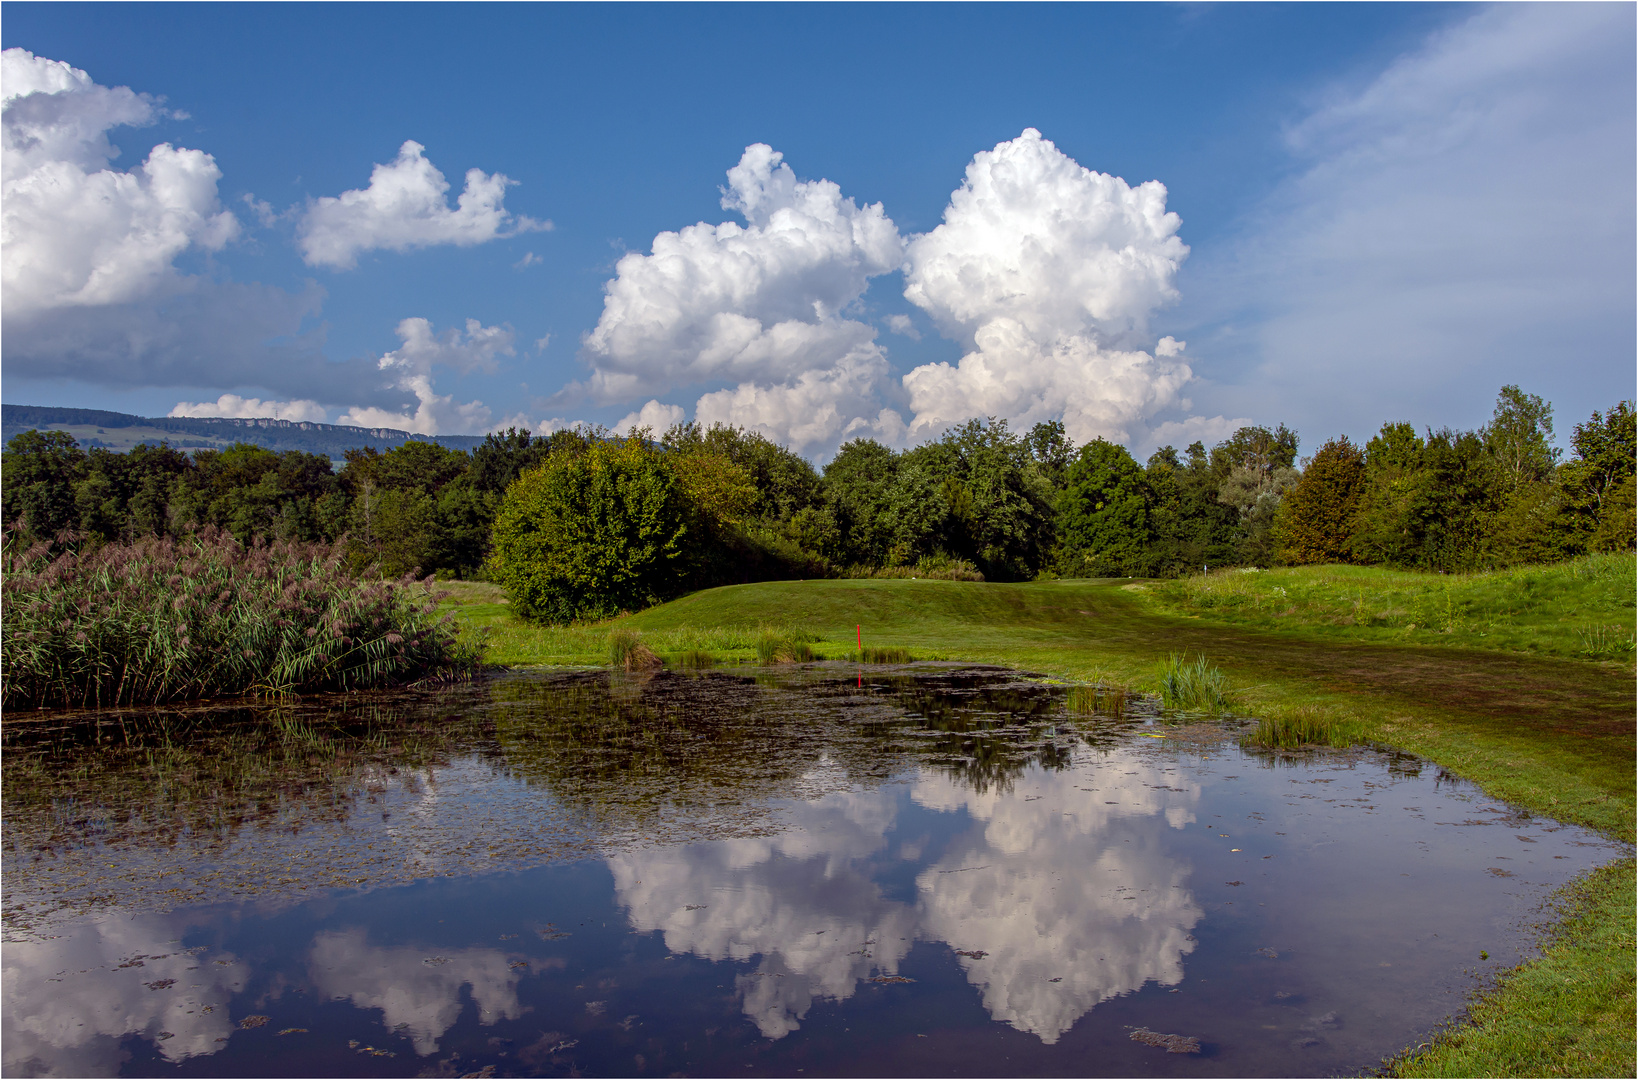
<point>815,870</point>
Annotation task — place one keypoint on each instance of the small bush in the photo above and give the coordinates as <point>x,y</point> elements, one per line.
<point>696,660</point>
<point>1196,685</point>
<point>162,620</point>
<point>591,533</point>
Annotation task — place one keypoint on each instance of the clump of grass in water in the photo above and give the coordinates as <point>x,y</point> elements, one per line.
<point>1197,685</point>
<point>1304,726</point>
<point>696,660</point>
<point>627,651</point>
<point>885,654</point>
<point>1098,700</point>
<point>777,646</point>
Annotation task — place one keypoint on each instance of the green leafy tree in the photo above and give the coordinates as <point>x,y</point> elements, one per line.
<point>41,469</point>
<point>1606,457</point>
<point>857,482</point>
<point>1189,527</point>
<point>1618,519</point>
<point>1000,511</point>
<point>1103,521</point>
<point>1315,522</point>
<point>1520,439</point>
<point>589,534</point>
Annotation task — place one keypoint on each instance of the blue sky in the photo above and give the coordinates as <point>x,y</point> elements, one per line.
<point>1382,212</point>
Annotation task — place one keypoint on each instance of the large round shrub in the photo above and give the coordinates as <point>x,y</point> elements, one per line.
<point>591,532</point>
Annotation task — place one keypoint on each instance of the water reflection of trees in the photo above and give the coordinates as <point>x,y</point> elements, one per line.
<point>630,746</point>
<point>206,774</point>
<point>604,751</point>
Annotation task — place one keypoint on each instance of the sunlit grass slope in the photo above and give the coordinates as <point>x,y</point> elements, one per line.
<point>1582,608</point>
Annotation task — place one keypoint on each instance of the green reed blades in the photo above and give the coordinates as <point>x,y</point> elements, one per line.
<point>627,652</point>
<point>162,620</point>
<point>1194,685</point>
<point>1098,700</point>
<point>1304,726</point>
<point>781,646</point>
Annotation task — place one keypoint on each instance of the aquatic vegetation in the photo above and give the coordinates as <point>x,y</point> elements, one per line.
<point>1197,685</point>
<point>1304,726</point>
<point>162,620</point>
<point>695,660</point>
<point>882,654</point>
<point>776,645</point>
<point>1098,699</point>
<point>628,652</point>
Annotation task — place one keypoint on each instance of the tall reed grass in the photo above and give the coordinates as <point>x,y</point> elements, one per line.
<point>1098,700</point>
<point>1196,685</point>
<point>162,620</point>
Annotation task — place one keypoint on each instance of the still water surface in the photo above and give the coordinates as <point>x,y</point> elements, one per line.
<point>926,871</point>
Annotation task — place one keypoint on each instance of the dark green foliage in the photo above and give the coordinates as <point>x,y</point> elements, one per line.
<point>162,620</point>
<point>1189,527</point>
<point>857,481</point>
<point>1598,481</point>
<point>1316,517</point>
<point>998,506</point>
<point>1103,525</point>
<point>979,502</point>
<point>592,533</point>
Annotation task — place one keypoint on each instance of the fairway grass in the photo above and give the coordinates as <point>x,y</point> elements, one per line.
<point>1528,723</point>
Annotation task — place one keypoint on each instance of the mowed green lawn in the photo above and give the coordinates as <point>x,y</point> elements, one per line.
<point>1550,733</point>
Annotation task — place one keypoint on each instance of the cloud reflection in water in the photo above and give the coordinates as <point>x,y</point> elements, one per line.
<point>416,992</point>
<point>1057,876</point>
<point>70,1000</point>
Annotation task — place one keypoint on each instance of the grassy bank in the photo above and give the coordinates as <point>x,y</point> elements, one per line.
<point>1545,731</point>
<point>1581,609</point>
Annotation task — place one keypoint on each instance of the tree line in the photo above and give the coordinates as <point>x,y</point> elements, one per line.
<point>581,524</point>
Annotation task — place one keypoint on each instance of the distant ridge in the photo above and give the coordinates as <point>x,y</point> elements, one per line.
<point>122,431</point>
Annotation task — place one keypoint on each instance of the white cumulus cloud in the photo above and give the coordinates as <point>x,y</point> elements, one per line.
<point>234,405</point>
<point>760,305</point>
<point>901,324</point>
<point>409,368</point>
<point>88,253</point>
<point>406,207</point>
<point>655,415</point>
<point>1047,273</point>
<point>75,232</point>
